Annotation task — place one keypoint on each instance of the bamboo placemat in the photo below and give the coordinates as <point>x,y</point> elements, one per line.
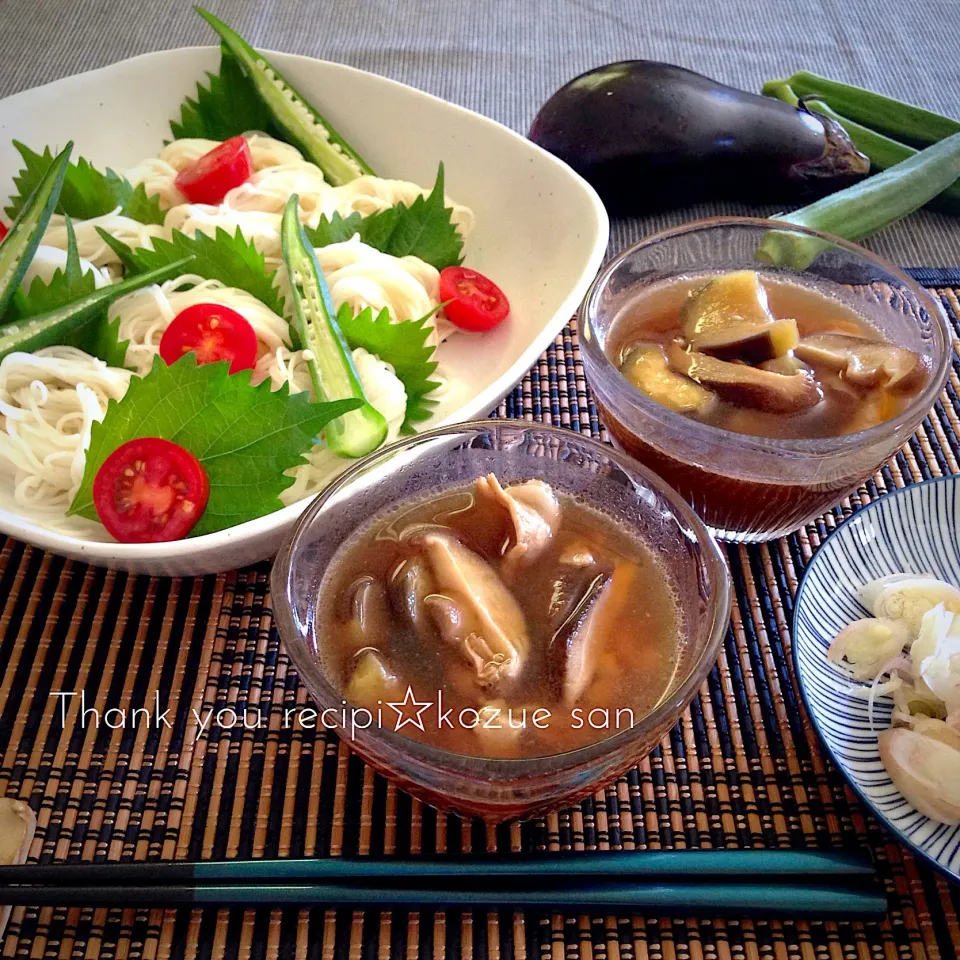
<point>743,767</point>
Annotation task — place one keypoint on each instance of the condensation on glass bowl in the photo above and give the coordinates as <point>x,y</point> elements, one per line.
<point>453,457</point>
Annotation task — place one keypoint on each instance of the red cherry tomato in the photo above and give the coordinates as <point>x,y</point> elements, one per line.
<point>210,177</point>
<point>3,232</point>
<point>150,490</point>
<point>478,304</point>
<point>213,332</point>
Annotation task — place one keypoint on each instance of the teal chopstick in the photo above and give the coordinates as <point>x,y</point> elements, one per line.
<point>684,899</point>
<point>759,866</point>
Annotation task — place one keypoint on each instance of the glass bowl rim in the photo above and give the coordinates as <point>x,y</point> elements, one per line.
<point>821,447</point>
<point>711,560</point>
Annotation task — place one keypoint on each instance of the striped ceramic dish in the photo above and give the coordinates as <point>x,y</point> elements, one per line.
<point>915,530</point>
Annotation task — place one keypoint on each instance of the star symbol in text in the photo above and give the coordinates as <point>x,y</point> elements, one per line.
<point>419,707</point>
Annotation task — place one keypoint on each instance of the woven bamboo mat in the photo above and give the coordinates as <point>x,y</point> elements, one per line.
<point>742,768</point>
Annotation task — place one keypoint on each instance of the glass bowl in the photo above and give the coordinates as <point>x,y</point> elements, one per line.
<point>749,488</point>
<point>453,457</point>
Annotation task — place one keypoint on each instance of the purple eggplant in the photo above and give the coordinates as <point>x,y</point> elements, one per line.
<point>650,136</point>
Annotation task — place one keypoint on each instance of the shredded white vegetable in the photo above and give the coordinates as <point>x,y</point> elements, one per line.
<point>912,651</point>
<point>145,314</point>
<point>91,246</point>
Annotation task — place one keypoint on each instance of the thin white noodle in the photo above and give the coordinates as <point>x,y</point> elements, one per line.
<point>48,260</point>
<point>257,205</point>
<point>362,276</point>
<point>91,245</point>
<point>158,174</point>
<point>262,229</point>
<point>48,402</point>
<point>279,171</point>
<point>269,190</point>
<point>366,195</point>
<point>145,314</point>
<point>289,367</point>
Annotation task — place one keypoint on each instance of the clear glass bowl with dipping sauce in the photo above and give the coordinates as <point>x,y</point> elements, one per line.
<point>452,458</point>
<point>751,488</point>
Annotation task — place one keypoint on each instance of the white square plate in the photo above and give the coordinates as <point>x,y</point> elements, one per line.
<point>541,233</point>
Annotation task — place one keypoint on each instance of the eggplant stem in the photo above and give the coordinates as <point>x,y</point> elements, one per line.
<point>865,207</point>
<point>883,151</point>
<point>887,115</point>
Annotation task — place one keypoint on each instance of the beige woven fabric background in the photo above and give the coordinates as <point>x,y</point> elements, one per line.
<point>505,57</point>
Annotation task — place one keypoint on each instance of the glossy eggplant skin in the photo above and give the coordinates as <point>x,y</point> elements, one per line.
<point>650,136</point>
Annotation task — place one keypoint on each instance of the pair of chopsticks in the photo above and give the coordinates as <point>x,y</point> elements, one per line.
<point>794,883</point>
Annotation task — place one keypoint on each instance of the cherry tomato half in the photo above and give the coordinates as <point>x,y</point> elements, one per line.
<point>213,332</point>
<point>3,232</point>
<point>478,304</point>
<point>210,177</point>
<point>149,490</point>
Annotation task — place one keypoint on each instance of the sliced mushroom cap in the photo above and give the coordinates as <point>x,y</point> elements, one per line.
<point>748,343</point>
<point>746,386</point>
<point>646,368</point>
<point>367,612</point>
<point>925,770</point>
<point>736,299</point>
<point>410,584</point>
<point>866,363</point>
<point>571,661</point>
<point>534,513</point>
<point>582,613</point>
<point>473,609</point>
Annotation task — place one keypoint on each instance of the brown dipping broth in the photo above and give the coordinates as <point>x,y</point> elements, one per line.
<point>636,652</point>
<point>655,317</point>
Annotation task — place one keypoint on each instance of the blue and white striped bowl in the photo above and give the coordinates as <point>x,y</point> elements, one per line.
<point>915,530</point>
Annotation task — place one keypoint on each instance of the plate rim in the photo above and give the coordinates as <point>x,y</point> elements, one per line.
<point>124,556</point>
<point>877,814</point>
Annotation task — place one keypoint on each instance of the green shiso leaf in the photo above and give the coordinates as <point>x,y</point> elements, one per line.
<point>87,192</point>
<point>227,107</point>
<point>246,437</point>
<point>231,259</point>
<point>402,345</point>
<point>424,229</point>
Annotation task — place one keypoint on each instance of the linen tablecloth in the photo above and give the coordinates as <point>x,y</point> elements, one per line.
<point>503,58</point>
